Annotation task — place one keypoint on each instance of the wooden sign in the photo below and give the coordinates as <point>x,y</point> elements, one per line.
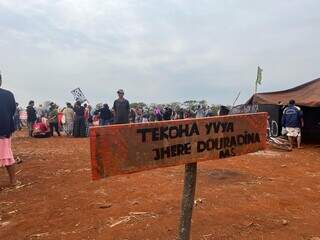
<point>128,148</point>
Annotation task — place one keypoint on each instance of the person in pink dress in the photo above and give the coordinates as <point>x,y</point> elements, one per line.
<point>7,127</point>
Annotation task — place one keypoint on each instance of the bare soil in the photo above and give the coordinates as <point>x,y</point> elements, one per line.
<point>266,195</point>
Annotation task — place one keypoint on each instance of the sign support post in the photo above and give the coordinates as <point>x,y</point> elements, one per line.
<point>190,181</point>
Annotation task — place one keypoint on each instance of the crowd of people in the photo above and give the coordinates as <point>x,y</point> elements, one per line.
<point>76,119</point>
<point>138,115</point>
<point>73,120</point>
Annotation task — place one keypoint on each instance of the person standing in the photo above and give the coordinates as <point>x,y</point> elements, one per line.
<point>223,110</point>
<point>132,115</point>
<point>7,128</point>
<point>209,112</point>
<point>17,120</point>
<point>200,112</point>
<point>87,117</point>
<point>60,118</point>
<point>40,112</point>
<point>53,119</point>
<point>145,116</point>
<point>138,115</point>
<point>79,128</point>
<point>158,114</point>
<point>105,115</point>
<point>167,113</point>
<point>121,108</point>
<point>68,114</point>
<point>180,114</point>
<point>32,116</point>
<point>90,119</point>
<point>292,121</point>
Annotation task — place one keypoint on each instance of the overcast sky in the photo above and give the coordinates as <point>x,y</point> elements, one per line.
<point>157,51</point>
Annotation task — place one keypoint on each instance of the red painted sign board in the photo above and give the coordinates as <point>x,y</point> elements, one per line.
<point>128,148</point>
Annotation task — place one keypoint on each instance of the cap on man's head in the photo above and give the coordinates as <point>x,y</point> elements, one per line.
<point>292,102</point>
<point>120,91</point>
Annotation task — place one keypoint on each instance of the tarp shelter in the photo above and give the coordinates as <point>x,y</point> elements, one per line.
<point>307,96</point>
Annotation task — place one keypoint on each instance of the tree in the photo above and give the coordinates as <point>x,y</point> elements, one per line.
<point>140,105</point>
<point>203,103</point>
<point>191,104</point>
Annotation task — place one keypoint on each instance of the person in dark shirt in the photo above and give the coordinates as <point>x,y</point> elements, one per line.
<point>167,113</point>
<point>32,116</point>
<point>7,111</point>
<point>53,119</point>
<point>121,108</point>
<point>180,114</point>
<point>79,128</point>
<point>223,110</point>
<point>132,115</point>
<point>292,121</point>
<point>105,115</point>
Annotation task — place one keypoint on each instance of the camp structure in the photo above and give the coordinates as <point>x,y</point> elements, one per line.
<point>307,97</point>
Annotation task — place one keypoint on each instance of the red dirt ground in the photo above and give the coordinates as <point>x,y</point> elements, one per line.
<point>267,195</point>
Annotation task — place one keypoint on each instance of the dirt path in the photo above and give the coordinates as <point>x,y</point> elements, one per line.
<point>270,195</point>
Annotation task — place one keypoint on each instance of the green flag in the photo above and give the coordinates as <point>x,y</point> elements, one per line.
<point>259,76</point>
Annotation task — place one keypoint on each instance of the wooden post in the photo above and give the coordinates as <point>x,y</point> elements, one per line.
<point>190,180</point>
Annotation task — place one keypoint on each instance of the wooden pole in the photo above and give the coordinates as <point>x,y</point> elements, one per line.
<point>190,180</point>
<point>234,102</point>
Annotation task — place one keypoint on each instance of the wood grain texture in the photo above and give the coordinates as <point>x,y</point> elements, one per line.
<point>120,149</point>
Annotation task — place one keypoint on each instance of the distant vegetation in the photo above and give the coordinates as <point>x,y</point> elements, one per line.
<point>190,105</point>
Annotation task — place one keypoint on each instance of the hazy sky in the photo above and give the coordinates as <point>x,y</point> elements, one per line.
<point>158,51</point>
